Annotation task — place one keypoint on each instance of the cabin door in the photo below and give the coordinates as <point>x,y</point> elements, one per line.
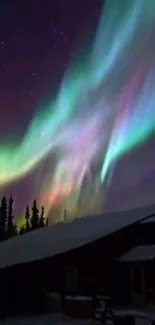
<point>137,285</point>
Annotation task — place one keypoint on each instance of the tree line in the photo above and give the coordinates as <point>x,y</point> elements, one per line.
<point>34,219</point>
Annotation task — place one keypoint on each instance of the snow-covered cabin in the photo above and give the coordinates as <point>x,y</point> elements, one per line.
<point>66,236</point>
<point>138,266</point>
<point>78,256</point>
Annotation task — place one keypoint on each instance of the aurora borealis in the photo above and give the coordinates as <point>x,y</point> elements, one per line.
<point>102,114</point>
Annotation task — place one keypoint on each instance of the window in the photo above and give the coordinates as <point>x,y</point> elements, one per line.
<point>71,277</point>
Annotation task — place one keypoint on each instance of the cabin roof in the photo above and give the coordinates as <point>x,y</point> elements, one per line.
<point>139,253</point>
<point>150,220</point>
<point>62,237</point>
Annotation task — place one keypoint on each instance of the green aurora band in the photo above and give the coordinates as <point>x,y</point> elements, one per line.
<point>105,108</point>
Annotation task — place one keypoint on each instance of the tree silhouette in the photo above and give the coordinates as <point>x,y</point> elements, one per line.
<point>22,230</point>
<point>8,227</point>
<point>35,216</point>
<point>27,219</point>
<point>11,228</point>
<point>42,219</point>
<point>3,218</point>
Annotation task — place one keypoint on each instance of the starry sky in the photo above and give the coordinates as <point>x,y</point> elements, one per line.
<point>37,39</point>
<point>96,140</point>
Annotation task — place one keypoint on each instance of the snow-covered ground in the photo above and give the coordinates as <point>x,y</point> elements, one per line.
<point>60,319</point>
<point>52,319</point>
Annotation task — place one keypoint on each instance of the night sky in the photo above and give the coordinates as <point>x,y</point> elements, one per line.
<point>38,41</point>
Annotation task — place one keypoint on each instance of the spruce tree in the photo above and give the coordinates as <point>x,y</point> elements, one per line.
<point>10,226</point>
<point>3,218</point>
<point>27,219</point>
<point>22,230</point>
<point>42,219</point>
<point>35,216</point>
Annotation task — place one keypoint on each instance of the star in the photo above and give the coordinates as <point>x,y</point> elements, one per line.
<point>2,42</point>
<point>33,74</point>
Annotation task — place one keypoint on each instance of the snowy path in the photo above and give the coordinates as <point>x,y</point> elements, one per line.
<point>45,320</point>
<point>57,319</point>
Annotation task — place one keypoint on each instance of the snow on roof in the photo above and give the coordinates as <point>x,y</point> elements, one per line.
<point>139,253</point>
<point>62,237</point>
<point>150,220</point>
